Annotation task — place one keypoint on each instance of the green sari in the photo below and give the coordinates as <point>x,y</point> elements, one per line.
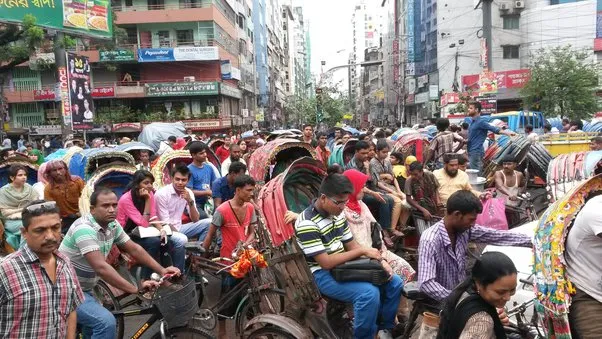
<point>12,202</point>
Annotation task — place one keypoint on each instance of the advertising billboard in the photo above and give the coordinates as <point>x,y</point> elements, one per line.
<point>80,91</point>
<point>191,53</point>
<point>79,17</point>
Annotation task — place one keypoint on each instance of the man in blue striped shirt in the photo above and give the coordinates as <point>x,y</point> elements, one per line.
<point>327,242</point>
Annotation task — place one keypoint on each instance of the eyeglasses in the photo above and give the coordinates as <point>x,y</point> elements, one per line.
<point>46,205</point>
<point>336,202</point>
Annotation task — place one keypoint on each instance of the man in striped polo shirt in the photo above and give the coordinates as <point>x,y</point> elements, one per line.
<point>327,242</point>
<point>87,244</point>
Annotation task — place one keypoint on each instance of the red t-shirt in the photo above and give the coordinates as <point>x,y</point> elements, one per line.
<point>232,230</point>
<point>222,153</point>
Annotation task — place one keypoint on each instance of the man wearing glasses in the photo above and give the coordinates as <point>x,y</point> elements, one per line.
<point>327,242</point>
<point>39,291</point>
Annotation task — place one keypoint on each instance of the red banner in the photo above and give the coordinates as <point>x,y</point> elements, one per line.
<point>103,92</point>
<point>44,95</point>
<point>450,98</point>
<point>506,79</point>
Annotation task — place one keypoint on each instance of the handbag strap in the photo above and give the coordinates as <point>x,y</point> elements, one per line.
<point>234,212</point>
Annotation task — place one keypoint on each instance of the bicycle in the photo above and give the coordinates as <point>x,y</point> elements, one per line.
<point>251,295</point>
<point>523,327</point>
<point>171,309</point>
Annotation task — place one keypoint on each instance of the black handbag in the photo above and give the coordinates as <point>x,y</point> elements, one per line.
<point>376,233</point>
<point>365,269</point>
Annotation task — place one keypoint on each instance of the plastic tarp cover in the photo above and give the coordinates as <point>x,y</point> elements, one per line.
<point>156,132</point>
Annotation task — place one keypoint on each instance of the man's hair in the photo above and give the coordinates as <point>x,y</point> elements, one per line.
<point>508,158</point>
<point>442,124</point>
<point>529,128</point>
<point>27,215</point>
<point>597,140</point>
<point>416,166</point>
<point>321,134</point>
<point>476,104</point>
<point>565,121</point>
<point>27,144</point>
<point>97,192</point>
<point>197,147</point>
<point>398,156</point>
<point>360,145</point>
<point>577,123</point>
<point>547,127</point>
<point>380,134</point>
<point>447,157</point>
<point>335,184</point>
<point>381,144</point>
<point>182,169</point>
<point>234,147</point>
<point>465,202</point>
<point>172,138</point>
<point>237,167</point>
<point>464,125</point>
<point>145,151</point>
<point>13,170</point>
<point>308,125</point>
<point>243,180</point>
<point>462,160</point>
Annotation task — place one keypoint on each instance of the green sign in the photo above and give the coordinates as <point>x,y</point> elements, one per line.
<point>181,89</point>
<point>117,55</point>
<point>78,17</point>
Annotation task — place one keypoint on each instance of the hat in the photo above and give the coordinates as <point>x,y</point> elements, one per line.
<point>410,159</point>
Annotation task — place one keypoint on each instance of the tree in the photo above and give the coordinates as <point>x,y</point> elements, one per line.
<point>19,42</point>
<point>563,82</point>
<point>300,110</point>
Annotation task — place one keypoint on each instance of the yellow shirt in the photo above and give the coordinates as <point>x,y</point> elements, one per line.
<point>449,185</point>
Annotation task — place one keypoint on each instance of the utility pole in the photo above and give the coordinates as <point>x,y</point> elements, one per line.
<point>61,64</point>
<point>487,32</point>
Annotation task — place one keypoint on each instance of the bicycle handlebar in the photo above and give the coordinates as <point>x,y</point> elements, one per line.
<point>527,282</point>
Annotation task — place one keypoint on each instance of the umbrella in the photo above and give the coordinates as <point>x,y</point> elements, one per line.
<point>247,134</point>
<point>351,130</point>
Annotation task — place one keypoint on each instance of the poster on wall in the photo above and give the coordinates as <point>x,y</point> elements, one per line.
<point>80,91</point>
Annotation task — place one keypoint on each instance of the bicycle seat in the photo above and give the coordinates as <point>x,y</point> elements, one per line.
<point>195,247</point>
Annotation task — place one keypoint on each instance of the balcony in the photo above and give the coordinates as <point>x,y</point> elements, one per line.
<point>174,12</point>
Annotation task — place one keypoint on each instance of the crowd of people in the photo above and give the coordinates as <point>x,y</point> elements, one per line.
<point>59,253</point>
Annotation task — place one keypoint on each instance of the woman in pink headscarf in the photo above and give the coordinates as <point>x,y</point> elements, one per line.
<point>42,182</point>
<point>360,222</point>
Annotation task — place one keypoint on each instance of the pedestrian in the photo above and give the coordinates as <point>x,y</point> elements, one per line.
<point>21,142</point>
<point>65,189</point>
<point>235,155</point>
<point>223,151</point>
<point>322,151</point>
<point>477,132</point>
<point>444,142</point>
<point>308,135</point>
<point>39,290</point>
<point>531,136</point>
<point>201,176</point>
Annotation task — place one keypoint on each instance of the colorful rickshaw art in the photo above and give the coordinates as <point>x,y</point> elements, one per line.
<point>415,144</point>
<point>275,157</point>
<point>553,289</point>
<point>30,166</point>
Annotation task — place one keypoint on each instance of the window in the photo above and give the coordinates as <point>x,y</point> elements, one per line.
<point>241,21</point>
<point>163,39</point>
<point>128,3</point>
<point>185,37</point>
<point>511,22</point>
<point>156,4</point>
<point>510,52</point>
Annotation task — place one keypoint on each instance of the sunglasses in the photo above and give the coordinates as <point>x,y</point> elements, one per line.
<point>46,205</point>
<point>336,202</point>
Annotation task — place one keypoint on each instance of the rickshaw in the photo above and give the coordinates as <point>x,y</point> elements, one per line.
<point>412,143</point>
<point>307,313</point>
<point>552,286</point>
<point>85,163</point>
<point>30,166</point>
<point>114,176</point>
<point>342,154</point>
<point>567,171</point>
<point>162,167</point>
<point>134,148</point>
<point>275,157</point>
<point>154,133</point>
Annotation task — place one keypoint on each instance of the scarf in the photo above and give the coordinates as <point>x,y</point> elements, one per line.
<point>358,180</point>
<point>13,201</point>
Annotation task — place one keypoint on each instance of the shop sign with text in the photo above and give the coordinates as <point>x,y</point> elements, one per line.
<point>45,130</point>
<point>64,88</point>
<point>44,95</point>
<point>181,89</point>
<point>116,55</point>
<point>103,92</point>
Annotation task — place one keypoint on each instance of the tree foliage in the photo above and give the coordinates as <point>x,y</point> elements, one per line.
<point>563,82</point>
<point>19,42</point>
<point>300,110</point>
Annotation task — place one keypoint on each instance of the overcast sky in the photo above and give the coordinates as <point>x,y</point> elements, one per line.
<point>330,31</point>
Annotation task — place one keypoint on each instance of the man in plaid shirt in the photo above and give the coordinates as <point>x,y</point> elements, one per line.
<point>39,291</point>
<point>444,142</point>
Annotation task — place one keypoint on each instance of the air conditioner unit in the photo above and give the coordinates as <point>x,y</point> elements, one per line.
<point>519,4</point>
<point>504,6</point>
<point>189,79</point>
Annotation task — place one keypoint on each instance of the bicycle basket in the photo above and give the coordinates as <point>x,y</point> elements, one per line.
<point>177,306</point>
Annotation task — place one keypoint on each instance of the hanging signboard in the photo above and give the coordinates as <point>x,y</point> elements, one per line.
<point>80,92</point>
<point>64,89</point>
<point>78,17</point>
<point>116,55</point>
<point>181,89</point>
<point>488,105</point>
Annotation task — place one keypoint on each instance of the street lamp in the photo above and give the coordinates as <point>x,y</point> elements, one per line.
<point>455,85</point>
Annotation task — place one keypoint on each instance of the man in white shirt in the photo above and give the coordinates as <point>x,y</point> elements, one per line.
<point>172,200</point>
<point>167,145</point>
<point>235,155</point>
<point>532,136</point>
<point>584,269</point>
<point>144,163</point>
